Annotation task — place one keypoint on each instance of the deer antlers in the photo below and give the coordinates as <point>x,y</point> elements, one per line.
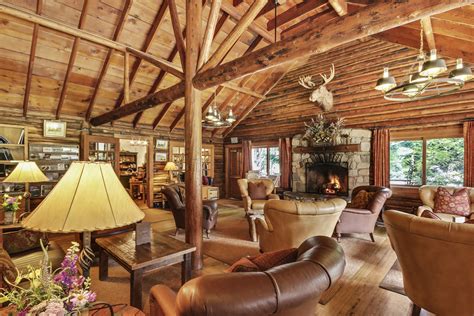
<point>306,81</point>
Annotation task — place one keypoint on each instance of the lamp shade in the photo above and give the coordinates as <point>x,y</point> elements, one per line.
<point>89,197</point>
<point>26,172</point>
<point>171,166</point>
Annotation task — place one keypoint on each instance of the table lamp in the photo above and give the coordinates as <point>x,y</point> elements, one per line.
<point>171,166</point>
<point>89,197</point>
<point>26,172</point>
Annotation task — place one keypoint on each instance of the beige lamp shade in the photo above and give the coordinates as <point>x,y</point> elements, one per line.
<point>171,166</point>
<point>89,197</point>
<point>26,172</point>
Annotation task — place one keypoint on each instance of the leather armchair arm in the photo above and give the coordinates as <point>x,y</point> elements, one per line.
<point>263,225</point>
<point>247,202</point>
<point>358,211</point>
<point>162,301</point>
<point>273,197</point>
<point>423,208</point>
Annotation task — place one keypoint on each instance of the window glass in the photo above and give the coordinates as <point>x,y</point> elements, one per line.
<point>445,161</point>
<point>259,160</point>
<point>406,162</point>
<point>274,161</point>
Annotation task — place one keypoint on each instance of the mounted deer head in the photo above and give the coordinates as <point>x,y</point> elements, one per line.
<point>321,95</point>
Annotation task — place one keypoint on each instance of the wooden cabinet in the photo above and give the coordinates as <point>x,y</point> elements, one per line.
<point>178,156</point>
<point>101,148</point>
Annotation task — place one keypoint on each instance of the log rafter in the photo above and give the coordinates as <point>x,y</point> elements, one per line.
<point>34,40</point>
<point>72,60</point>
<point>294,12</point>
<point>177,31</point>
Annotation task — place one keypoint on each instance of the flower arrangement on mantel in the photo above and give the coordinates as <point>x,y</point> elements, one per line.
<point>321,131</point>
<point>10,206</point>
<point>61,292</point>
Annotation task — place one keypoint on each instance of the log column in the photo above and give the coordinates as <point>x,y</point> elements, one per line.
<point>193,133</point>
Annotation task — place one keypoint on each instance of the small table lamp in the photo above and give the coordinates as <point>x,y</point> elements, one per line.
<point>26,172</point>
<point>171,166</point>
<point>89,197</point>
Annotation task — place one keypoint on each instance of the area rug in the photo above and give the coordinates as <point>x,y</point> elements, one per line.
<point>393,280</point>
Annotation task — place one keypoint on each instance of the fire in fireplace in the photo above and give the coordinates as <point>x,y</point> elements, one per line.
<point>327,178</point>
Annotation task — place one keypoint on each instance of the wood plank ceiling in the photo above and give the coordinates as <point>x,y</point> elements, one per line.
<point>49,73</point>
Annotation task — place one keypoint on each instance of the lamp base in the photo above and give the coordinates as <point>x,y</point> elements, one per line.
<point>86,257</point>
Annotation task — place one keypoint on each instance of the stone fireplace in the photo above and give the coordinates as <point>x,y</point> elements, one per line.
<point>332,172</point>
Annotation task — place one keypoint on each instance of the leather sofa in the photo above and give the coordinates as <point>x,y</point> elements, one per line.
<point>436,258</point>
<point>287,224</point>
<point>355,220</point>
<point>177,205</point>
<point>291,289</point>
<point>254,207</point>
<point>428,194</point>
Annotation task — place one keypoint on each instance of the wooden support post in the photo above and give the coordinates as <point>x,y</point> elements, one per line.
<point>210,30</point>
<point>193,133</point>
<point>126,79</point>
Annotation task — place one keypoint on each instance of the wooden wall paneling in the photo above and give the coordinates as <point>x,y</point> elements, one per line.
<point>294,12</point>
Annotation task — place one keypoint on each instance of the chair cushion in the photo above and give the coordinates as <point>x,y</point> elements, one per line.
<point>264,261</point>
<point>22,240</point>
<point>55,254</point>
<point>257,191</point>
<point>362,199</point>
<point>258,204</point>
<point>457,203</point>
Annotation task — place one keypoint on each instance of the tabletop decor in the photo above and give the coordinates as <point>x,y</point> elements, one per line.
<point>11,204</point>
<point>47,292</point>
<point>322,131</point>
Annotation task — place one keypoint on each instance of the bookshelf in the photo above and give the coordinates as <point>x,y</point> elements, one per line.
<point>13,148</point>
<point>101,148</point>
<point>128,163</point>
<point>177,155</point>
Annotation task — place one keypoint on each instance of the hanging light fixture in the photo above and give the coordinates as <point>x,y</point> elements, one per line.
<point>230,117</point>
<point>213,118</point>
<point>424,80</point>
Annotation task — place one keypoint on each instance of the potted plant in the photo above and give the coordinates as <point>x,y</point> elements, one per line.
<point>61,292</point>
<point>10,205</point>
<point>321,131</point>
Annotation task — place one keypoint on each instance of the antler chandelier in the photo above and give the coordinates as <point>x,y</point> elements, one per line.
<point>214,119</point>
<point>424,80</point>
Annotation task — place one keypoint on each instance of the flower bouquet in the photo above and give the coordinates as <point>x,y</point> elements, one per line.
<point>11,205</point>
<point>322,131</point>
<point>47,292</point>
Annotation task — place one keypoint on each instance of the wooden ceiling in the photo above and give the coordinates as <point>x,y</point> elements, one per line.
<point>44,70</point>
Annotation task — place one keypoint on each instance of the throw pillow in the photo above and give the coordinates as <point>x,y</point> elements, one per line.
<point>429,214</point>
<point>457,203</point>
<point>22,241</point>
<point>264,261</point>
<point>257,191</point>
<point>243,265</point>
<point>360,200</point>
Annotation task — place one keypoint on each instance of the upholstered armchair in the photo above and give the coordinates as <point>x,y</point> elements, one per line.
<point>435,257</point>
<point>287,224</point>
<point>175,198</point>
<point>292,289</point>
<point>428,195</point>
<point>362,219</point>
<point>255,193</point>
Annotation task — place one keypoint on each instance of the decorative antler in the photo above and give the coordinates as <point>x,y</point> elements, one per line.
<point>331,76</point>
<point>306,82</point>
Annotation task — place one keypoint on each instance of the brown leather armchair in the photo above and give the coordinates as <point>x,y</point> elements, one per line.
<point>354,220</point>
<point>254,207</point>
<point>290,289</point>
<point>436,258</point>
<point>428,195</point>
<point>286,224</point>
<point>177,206</point>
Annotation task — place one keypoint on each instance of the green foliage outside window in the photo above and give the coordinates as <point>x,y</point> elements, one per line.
<point>406,162</point>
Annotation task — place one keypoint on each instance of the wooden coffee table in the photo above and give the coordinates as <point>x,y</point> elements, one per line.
<point>137,260</point>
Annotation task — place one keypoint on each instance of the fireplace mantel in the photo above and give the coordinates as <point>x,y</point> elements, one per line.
<point>329,148</point>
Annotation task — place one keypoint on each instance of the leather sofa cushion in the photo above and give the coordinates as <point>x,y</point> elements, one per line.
<point>257,191</point>
<point>264,261</point>
<point>457,203</point>
<point>362,199</point>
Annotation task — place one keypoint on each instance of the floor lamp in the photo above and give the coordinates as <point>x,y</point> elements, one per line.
<point>89,197</point>
<point>26,172</point>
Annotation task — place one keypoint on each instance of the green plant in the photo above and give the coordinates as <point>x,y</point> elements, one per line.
<point>321,130</point>
<point>11,203</point>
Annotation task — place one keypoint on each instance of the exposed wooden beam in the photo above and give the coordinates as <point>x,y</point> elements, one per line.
<point>162,114</point>
<point>319,19</point>
<point>340,6</point>
<point>72,60</point>
<point>193,133</point>
<point>243,90</point>
<point>295,12</point>
<point>34,40</point>
<point>367,21</point>
<point>234,35</point>
<point>177,31</point>
<point>126,79</point>
<point>105,66</point>
<point>209,33</point>
<point>163,64</point>
<point>428,30</point>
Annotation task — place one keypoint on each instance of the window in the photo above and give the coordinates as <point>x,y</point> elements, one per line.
<point>438,161</point>
<point>266,160</point>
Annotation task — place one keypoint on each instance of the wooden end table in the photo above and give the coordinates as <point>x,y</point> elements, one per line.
<point>137,260</point>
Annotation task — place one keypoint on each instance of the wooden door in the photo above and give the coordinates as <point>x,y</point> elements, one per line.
<point>233,170</point>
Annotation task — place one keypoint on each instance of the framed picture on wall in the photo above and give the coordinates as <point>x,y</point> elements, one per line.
<point>161,157</point>
<point>161,144</point>
<point>54,128</point>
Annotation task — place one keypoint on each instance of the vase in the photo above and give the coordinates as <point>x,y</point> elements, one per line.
<point>9,217</point>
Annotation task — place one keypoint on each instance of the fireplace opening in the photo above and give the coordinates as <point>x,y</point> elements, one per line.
<point>327,178</point>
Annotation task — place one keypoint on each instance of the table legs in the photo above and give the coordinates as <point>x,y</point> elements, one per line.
<point>103,265</point>
<point>136,278</point>
<point>186,268</point>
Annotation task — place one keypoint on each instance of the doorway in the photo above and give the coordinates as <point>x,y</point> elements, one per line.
<point>233,154</point>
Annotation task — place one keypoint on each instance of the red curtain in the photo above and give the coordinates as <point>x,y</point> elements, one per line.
<point>246,157</point>
<point>381,157</point>
<point>469,154</point>
<point>285,163</point>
